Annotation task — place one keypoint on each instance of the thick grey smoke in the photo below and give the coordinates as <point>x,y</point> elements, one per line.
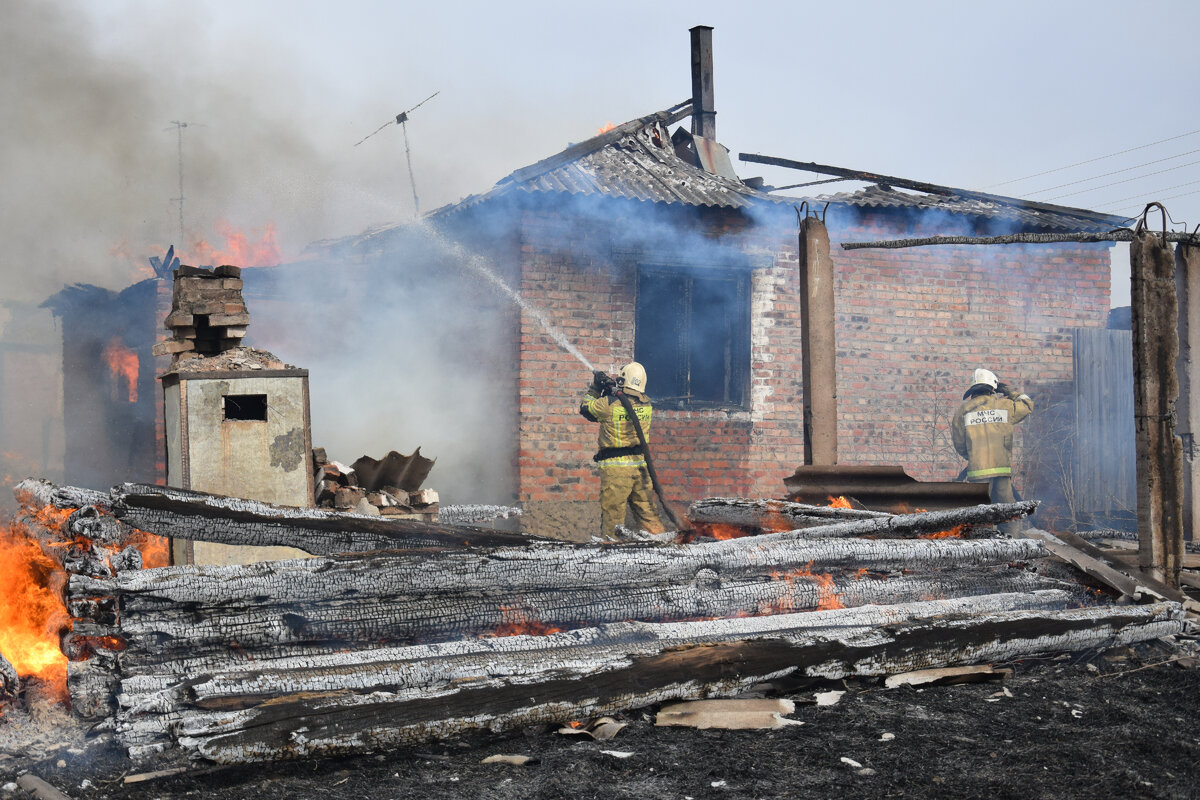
<point>90,158</point>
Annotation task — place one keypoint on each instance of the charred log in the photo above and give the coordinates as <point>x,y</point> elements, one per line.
<point>9,681</point>
<point>536,568</point>
<point>229,520</point>
<point>771,515</point>
<point>648,664</point>
<point>925,521</point>
<point>38,493</point>
<point>186,641</point>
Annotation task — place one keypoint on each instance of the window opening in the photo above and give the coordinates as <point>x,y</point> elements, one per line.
<point>245,406</point>
<point>693,336</point>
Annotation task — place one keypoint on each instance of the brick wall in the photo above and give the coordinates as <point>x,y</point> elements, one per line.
<point>912,325</point>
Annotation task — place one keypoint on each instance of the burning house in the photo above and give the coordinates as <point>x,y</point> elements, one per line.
<point>639,243</point>
<point>643,243</point>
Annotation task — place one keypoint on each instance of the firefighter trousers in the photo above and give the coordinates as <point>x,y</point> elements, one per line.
<point>624,488</point>
<point>1000,490</point>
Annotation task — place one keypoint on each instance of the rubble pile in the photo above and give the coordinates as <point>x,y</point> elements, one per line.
<point>389,487</point>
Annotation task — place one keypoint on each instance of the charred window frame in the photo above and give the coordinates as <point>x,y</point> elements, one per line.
<point>692,335</point>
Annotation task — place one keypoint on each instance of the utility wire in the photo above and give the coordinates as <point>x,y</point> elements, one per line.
<point>1148,194</point>
<point>1161,200</point>
<point>1091,160</point>
<point>1117,172</point>
<point>1127,180</point>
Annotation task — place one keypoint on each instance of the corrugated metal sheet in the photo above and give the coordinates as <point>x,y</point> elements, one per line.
<point>637,161</point>
<point>1021,218</point>
<point>1105,479</point>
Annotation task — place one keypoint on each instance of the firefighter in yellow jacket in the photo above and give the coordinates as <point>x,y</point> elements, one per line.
<point>982,432</point>
<point>624,479</point>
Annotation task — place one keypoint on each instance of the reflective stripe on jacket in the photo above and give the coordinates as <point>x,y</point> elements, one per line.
<point>982,432</point>
<point>615,428</point>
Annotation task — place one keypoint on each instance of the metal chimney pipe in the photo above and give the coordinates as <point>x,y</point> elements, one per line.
<point>704,118</point>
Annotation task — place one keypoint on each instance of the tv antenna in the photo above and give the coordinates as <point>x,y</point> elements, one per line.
<point>179,126</point>
<point>402,121</point>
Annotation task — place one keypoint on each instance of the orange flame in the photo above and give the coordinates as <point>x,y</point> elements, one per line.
<point>827,598</point>
<point>954,533</point>
<point>840,502</point>
<point>724,532</point>
<point>605,128</point>
<point>155,550</point>
<point>32,612</point>
<point>775,521</point>
<point>238,247</point>
<point>516,622</point>
<point>123,363</point>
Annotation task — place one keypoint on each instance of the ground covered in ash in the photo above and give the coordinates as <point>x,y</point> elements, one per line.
<point>1119,724</point>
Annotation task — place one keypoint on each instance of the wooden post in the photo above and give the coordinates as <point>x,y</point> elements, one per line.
<point>1155,390</point>
<point>1187,282</point>
<point>819,344</point>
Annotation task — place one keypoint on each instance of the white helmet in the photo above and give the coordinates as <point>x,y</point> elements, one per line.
<point>984,376</point>
<point>633,376</point>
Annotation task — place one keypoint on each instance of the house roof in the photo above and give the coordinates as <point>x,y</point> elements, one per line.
<point>1018,214</point>
<point>638,161</point>
<point>635,161</point>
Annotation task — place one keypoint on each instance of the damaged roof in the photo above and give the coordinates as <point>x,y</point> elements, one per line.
<point>635,161</point>
<point>1019,215</point>
<point>640,160</point>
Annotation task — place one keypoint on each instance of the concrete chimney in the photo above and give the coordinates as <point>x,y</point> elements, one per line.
<point>704,118</point>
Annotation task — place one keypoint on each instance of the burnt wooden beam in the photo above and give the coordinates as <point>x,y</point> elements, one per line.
<point>931,188</point>
<point>198,516</point>
<point>1155,390</point>
<point>198,641</point>
<point>1117,575</point>
<point>39,493</point>
<point>772,515</point>
<point>597,568</point>
<point>922,523</point>
<point>1119,235</point>
<point>709,659</point>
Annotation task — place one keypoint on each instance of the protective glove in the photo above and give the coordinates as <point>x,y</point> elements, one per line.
<point>600,381</point>
<point>1005,389</point>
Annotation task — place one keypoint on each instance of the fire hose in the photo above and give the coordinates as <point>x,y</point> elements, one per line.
<point>610,386</point>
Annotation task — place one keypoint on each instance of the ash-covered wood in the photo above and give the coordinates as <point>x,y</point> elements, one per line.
<point>39,493</point>
<point>772,515</point>
<point>421,632</point>
<point>628,666</point>
<point>229,520</point>
<point>925,522</point>
<point>152,703</point>
<point>9,681</point>
<point>186,641</point>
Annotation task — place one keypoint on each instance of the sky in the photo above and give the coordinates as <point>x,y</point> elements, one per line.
<point>276,95</point>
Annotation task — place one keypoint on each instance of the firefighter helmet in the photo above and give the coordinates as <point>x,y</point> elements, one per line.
<point>633,377</point>
<point>985,377</point>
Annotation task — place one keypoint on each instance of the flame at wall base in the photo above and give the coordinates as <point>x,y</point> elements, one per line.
<point>32,612</point>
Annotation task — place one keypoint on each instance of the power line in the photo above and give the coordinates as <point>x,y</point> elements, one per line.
<point>1116,172</point>
<point>1148,194</point>
<point>1127,180</point>
<point>1097,158</point>
<point>1161,200</point>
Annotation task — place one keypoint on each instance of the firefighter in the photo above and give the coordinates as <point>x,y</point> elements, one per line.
<point>982,432</point>
<point>624,478</point>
